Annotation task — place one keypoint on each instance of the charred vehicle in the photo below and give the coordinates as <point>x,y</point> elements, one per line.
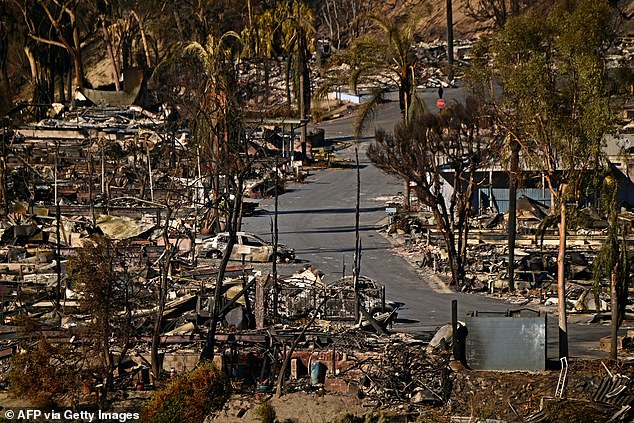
<point>248,246</point>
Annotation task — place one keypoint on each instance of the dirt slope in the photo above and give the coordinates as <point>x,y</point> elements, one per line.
<point>431,20</point>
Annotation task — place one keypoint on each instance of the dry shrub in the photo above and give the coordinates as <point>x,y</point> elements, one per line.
<point>570,411</point>
<point>189,398</point>
<point>265,412</point>
<point>46,375</point>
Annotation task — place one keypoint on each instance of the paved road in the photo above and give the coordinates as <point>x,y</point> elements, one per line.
<point>317,219</point>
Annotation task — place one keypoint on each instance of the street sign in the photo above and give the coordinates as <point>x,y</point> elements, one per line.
<point>390,210</point>
<point>440,103</point>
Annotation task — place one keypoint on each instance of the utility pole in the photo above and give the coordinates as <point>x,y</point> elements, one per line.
<point>58,259</point>
<point>276,293</point>
<point>449,41</point>
<point>357,244</point>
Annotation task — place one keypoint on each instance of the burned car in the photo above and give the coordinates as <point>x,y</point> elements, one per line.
<point>248,246</point>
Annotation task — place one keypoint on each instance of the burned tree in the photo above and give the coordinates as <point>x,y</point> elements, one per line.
<point>65,30</point>
<point>613,263</point>
<point>218,131</point>
<point>167,256</point>
<point>99,274</point>
<point>556,104</point>
<point>453,144</point>
<point>497,11</point>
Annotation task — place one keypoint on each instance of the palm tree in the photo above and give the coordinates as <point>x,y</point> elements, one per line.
<point>380,60</point>
<point>258,40</point>
<point>297,26</point>
<point>218,129</point>
<point>375,58</point>
<point>213,115</point>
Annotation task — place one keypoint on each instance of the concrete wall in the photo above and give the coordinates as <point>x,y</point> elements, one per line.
<point>352,98</point>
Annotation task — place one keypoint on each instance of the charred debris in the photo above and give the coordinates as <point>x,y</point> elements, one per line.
<point>535,263</point>
<point>125,187</point>
<point>111,242</point>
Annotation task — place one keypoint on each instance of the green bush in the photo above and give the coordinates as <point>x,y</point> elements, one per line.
<point>344,417</point>
<point>189,398</point>
<point>265,412</point>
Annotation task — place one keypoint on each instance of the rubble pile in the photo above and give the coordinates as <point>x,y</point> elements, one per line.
<point>417,239</point>
<point>133,178</point>
<point>513,395</point>
<point>405,377</point>
<point>389,373</point>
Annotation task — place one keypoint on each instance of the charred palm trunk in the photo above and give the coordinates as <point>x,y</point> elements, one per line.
<point>404,101</point>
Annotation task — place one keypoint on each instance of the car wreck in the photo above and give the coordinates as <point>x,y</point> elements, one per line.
<point>248,247</point>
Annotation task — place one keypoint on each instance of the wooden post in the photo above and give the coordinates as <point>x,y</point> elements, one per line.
<point>260,285</point>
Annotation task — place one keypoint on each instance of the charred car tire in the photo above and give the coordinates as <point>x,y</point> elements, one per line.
<point>283,259</point>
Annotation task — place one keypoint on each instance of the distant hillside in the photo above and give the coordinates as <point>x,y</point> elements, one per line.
<point>43,72</point>
<point>432,25</point>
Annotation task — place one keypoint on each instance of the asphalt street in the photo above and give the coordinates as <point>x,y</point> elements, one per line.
<point>317,219</point>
